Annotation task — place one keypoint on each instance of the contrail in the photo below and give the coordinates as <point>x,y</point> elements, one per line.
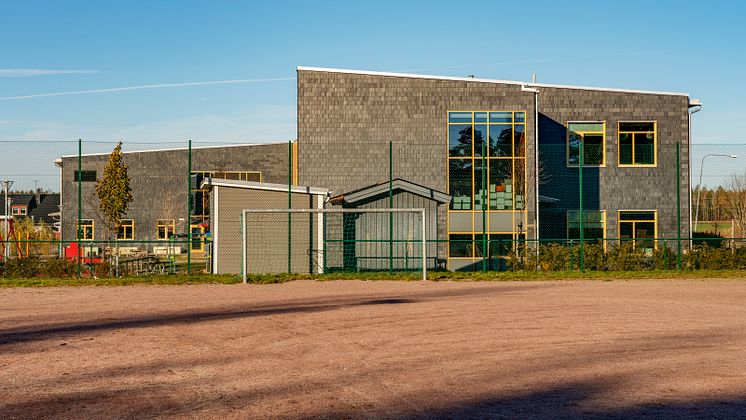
<point>141,87</point>
<point>40,72</point>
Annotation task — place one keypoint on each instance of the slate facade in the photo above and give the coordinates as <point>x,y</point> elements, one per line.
<point>159,183</point>
<point>346,120</point>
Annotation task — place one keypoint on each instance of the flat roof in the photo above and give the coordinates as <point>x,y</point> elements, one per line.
<point>180,148</point>
<point>251,185</point>
<point>481,80</point>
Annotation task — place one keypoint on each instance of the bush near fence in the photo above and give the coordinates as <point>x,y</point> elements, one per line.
<point>625,257</point>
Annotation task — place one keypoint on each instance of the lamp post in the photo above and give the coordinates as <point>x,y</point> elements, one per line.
<point>6,208</point>
<point>699,185</point>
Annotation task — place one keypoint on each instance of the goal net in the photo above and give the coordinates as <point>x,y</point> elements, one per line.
<point>333,240</point>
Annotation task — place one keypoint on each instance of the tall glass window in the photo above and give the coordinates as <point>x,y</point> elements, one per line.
<point>486,173</point>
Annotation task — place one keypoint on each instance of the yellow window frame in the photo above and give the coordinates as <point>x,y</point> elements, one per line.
<point>83,228</point>
<point>168,225</point>
<point>634,222</point>
<point>603,223</point>
<point>522,219</point>
<point>583,134</point>
<point>127,227</point>
<point>655,144</point>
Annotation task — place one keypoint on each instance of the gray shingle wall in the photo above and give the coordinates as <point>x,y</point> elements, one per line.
<point>159,183</point>
<point>613,188</point>
<point>345,122</point>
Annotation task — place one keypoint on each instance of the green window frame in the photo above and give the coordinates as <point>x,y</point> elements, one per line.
<point>638,143</point>
<point>593,136</point>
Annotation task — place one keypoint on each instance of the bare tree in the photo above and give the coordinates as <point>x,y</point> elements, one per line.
<point>735,201</point>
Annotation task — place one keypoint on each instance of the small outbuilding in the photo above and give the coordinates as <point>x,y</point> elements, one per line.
<point>367,245</point>
<point>274,241</point>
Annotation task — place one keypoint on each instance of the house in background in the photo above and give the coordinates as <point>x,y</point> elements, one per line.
<point>41,207</point>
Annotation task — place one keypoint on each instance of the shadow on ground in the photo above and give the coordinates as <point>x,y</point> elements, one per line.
<point>46,332</point>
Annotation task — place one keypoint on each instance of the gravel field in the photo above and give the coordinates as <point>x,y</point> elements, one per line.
<point>352,349</point>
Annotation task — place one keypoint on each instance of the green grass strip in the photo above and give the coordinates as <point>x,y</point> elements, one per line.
<point>180,279</point>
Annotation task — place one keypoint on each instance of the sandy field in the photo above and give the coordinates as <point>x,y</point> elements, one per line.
<point>349,349</point>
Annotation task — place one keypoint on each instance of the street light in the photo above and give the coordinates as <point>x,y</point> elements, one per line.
<point>6,209</point>
<point>699,185</point>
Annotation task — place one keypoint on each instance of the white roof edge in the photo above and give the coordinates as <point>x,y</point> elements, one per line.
<point>180,148</point>
<point>476,79</point>
<point>262,186</point>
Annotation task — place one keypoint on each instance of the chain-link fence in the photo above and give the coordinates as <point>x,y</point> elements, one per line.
<point>629,208</point>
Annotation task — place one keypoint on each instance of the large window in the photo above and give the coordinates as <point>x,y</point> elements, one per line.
<point>126,231</point>
<point>501,137</point>
<point>594,225</point>
<point>166,228</point>
<point>486,178</point>
<point>639,227</point>
<point>637,143</point>
<point>86,229</point>
<point>592,136</point>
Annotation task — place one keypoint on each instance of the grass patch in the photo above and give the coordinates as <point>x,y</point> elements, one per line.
<point>180,279</point>
<point>119,281</point>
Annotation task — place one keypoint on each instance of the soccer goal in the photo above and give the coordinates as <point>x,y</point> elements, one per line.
<point>333,240</point>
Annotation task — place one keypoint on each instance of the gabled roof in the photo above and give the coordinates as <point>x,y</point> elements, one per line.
<point>251,185</point>
<point>476,79</point>
<point>21,199</point>
<point>47,209</point>
<point>382,188</point>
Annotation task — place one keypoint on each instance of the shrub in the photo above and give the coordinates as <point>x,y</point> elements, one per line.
<point>59,267</point>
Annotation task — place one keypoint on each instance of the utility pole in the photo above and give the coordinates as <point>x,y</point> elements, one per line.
<point>6,207</point>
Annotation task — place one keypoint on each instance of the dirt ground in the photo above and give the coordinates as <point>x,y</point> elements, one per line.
<point>618,349</point>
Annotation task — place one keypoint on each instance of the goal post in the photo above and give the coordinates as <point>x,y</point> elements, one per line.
<point>333,239</point>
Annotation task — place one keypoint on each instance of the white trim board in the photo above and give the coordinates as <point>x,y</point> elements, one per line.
<point>251,185</point>
<point>481,80</point>
<point>59,160</point>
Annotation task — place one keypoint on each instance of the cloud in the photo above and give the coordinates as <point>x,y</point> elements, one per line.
<point>40,72</point>
<point>142,87</point>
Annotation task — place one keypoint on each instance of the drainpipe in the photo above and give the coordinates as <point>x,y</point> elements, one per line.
<point>695,105</point>
<point>535,91</point>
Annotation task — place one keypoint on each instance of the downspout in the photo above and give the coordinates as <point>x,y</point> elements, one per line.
<point>696,104</point>
<point>535,91</point>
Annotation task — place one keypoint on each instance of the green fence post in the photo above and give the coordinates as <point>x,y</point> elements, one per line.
<point>189,208</point>
<point>290,203</point>
<point>80,202</point>
<point>678,205</point>
<point>391,206</point>
<point>484,208</point>
<point>580,214</point>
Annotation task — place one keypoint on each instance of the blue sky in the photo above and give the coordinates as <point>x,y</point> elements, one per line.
<point>690,46</point>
